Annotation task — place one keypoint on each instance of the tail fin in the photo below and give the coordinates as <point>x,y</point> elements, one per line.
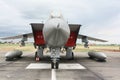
<point>55,14</point>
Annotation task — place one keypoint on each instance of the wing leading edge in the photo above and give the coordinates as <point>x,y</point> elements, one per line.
<point>27,35</point>
<point>80,36</point>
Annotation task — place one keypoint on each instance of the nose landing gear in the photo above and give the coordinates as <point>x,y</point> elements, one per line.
<point>55,55</point>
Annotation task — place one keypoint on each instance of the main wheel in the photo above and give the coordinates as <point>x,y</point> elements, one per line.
<point>72,55</point>
<point>35,55</point>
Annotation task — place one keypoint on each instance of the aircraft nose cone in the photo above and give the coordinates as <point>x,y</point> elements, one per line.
<point>55,34</point>
<point>55,27</point>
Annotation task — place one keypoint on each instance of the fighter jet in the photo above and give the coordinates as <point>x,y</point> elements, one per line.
<point>55,34</point>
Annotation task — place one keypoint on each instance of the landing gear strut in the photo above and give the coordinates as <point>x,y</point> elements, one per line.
<point>55,55</point>
<point>37,58</point>
<point>69,53</point>
<point>39,53</point>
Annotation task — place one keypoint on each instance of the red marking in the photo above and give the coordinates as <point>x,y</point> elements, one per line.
<point>37,59</point>
<point>38,37</point>
<point>72,39</point>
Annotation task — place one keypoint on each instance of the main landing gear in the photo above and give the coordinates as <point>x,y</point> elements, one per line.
<point>39,53</point>
<point>37,58</point>
<point>69,53</point>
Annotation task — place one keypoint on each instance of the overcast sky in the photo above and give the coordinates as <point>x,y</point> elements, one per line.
<point>99,18</point>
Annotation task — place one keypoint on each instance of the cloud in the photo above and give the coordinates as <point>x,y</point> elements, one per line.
<point>9,14</point>
<point>99,18</point>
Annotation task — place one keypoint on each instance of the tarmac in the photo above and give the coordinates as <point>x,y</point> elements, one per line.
<point>81,68</point>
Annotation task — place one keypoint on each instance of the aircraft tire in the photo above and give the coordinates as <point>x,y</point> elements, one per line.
<point>52,65</point>
<point>57,65</point>
<point>72,56</point>
<point>35,55</point>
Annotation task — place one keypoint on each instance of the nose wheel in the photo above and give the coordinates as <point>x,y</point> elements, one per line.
<point>55,65</point>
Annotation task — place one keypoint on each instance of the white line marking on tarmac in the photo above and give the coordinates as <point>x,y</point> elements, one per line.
<point>53,71</point>
<point>38,66</point>
<point>61,66</point>
<point>71,66</point>
<point>53,74</point>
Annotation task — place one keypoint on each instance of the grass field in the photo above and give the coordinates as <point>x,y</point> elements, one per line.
<point>98,48</point>
<point>9,47</point>
<point>79,48</point>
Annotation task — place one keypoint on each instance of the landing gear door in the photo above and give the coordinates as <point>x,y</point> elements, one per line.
<point>37,29</point>
<point>74,30</point>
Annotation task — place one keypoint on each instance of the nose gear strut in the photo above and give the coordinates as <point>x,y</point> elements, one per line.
<point>55,56</point>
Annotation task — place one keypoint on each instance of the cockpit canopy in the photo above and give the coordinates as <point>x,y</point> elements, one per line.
<point>56,15</point>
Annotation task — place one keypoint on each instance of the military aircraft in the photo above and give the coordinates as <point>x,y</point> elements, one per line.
<point>55,34</point>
